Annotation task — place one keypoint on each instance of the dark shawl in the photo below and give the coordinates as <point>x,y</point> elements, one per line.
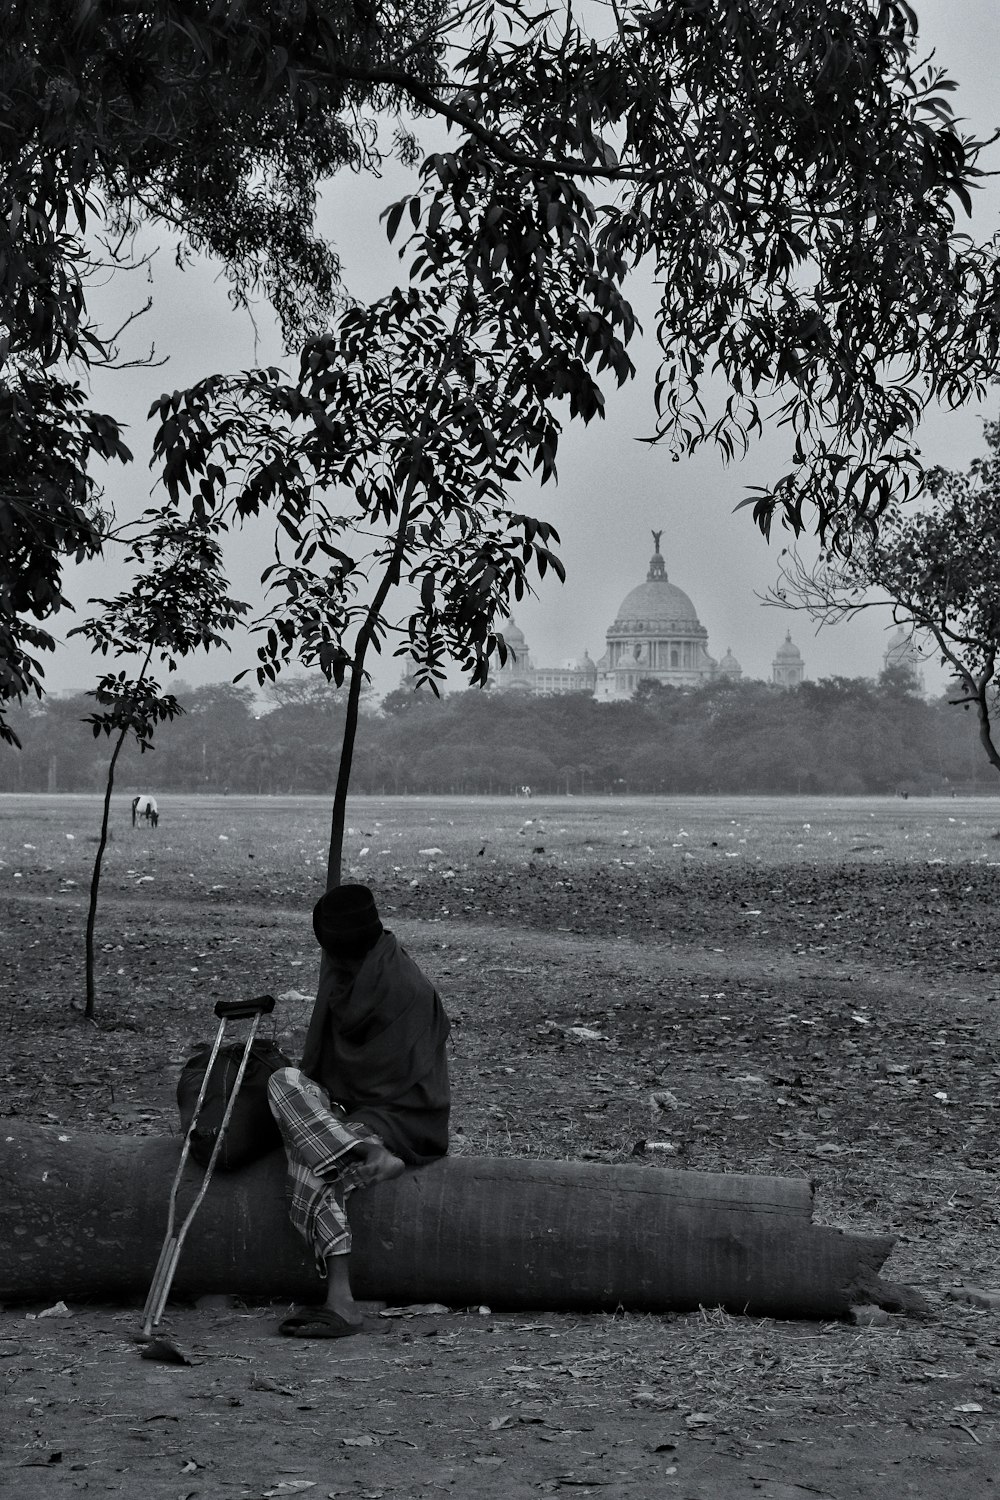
<point>377,1045</point>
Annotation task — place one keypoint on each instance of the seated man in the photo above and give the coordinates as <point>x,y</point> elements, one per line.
<point>371,1096</point>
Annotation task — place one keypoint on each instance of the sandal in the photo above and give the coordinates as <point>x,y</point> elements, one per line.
<point>322,1323</point>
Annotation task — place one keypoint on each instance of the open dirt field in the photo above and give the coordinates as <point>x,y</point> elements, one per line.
<point>813,984</point>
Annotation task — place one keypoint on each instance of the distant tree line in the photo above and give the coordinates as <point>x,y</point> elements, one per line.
<point>839,736</point>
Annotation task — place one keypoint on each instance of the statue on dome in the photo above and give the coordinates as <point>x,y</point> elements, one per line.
<point>656,540</point>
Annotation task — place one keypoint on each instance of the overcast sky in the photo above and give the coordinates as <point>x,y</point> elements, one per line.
<point>613,490</point>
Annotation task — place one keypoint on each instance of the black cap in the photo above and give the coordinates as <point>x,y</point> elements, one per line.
<point>346,921</point>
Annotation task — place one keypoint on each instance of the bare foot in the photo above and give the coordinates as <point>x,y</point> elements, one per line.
<point>377,1164</point>
<point>339,1297</point>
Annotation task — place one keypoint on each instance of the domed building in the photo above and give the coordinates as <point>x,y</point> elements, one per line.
<point>519,674</point>
<point>655,636</point>
<point>788,668</point>
<point>516,673</point>
<point>902,652</point>
<point>730,667</point>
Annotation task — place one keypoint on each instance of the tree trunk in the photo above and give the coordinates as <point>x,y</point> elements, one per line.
<point>95,880</point>
<point>85,1216</point>
<point>389,580</point>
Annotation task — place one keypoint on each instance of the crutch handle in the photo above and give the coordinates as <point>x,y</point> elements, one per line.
<point>230,1010</point>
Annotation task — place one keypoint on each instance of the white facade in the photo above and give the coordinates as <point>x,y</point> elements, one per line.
<point>655,636</point>
<point>519,674</point>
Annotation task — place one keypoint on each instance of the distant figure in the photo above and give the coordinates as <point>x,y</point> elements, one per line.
<point>145,807</point>
<point>526,791</point>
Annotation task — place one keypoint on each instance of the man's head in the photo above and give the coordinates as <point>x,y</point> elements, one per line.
<point>346,922</point>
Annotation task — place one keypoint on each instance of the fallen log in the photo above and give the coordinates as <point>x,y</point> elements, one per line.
<point>84,1216</point>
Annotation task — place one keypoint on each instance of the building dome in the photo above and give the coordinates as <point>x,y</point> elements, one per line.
<point>788,668</point>
<point>788,651</point>
<point>902,654</point>
<point>657,601</point>
<point>902,650</point>
<point>729,666</point>
<point>518,670</point>
<point>655,636</point>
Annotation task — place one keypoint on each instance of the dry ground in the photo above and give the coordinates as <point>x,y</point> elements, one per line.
<point>821,999</point>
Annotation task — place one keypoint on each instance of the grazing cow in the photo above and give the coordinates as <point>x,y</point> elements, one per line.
<point>145,807</point>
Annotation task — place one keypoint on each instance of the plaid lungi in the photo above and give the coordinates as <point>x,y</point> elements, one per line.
<point>318,1139</point>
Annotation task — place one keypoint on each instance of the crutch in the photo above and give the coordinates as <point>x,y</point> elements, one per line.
<point>226,1010</point>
